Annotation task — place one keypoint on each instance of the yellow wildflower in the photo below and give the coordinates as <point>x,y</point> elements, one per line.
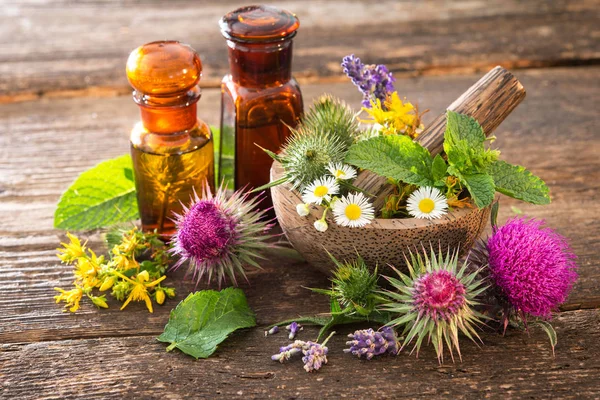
<point>107,283</point>
<point>122,261</point>
<point>140,288</point>
<point>87,269</point>
<point>160,296</point>
<point>71,251</point>
<point>71,297</point>
<point>99,301</point>
<point>394,116</point>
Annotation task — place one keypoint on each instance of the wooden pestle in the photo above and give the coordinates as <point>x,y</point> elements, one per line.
<point>489,101</point>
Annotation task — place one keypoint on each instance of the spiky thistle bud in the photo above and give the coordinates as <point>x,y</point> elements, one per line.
<point>435,301</point>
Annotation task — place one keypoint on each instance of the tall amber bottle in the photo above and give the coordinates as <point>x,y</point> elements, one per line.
<point>172,149</point>
<point>260,99</point>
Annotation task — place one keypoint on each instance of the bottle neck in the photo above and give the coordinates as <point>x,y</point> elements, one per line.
<point>165,115</point>
<point>260,64</point>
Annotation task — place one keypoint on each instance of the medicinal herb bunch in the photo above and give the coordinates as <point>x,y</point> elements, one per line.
<point>434,302</point>
<point>129,279</point>
<point>470,165</point>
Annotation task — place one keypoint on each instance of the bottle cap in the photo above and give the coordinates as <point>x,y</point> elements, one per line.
<point>164,68</point>
<point>259,24</point>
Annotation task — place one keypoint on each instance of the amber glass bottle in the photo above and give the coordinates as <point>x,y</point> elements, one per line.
<point>259,96</point>
<point>172,149</point>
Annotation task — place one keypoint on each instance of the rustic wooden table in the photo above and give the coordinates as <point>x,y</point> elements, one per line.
<point>65,106</point>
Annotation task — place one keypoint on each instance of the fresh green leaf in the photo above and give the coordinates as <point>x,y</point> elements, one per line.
<point>516,181</point>
<point>464,144</point>
<point>463,130</point>
<point>549,329</point>
<point>494,214</point>
<point>101,196</point>
<point>204,319</point>
<point>438,168</point>
<point>393,156</point>
<point>480,186</point>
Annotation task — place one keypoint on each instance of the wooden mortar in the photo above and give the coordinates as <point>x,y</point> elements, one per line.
<point>489,101</point>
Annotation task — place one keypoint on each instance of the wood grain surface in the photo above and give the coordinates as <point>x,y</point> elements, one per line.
<point>70,47</point>
<point>46,353</point>
<point>62,86</point>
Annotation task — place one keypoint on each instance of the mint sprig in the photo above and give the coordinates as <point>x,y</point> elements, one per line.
<point>476,167</point>
<point>204,319</point>
<point>101,196</point>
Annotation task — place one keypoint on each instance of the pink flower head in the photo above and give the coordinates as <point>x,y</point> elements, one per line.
<point>438,294</point>
<point>532,266</point>
<point>219,235</point>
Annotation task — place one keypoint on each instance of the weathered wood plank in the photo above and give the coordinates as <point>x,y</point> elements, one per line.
<point>71,47</point>
<point>515,366</point>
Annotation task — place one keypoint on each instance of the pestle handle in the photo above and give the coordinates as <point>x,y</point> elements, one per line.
<point>490,100</point>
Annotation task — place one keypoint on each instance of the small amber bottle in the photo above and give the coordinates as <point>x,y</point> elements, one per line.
<point>260,99</point>
<point>172,149</point>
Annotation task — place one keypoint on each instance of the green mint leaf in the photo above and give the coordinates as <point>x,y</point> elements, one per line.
<point>101,196</point>
<point>393,156</point>
<point>517,182</point>
<point>464,144</point>
<point>438,168</point>
<point>480,186</point>
<point>204,319</point>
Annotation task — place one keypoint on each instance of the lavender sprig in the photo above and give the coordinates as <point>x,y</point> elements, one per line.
<point>373,81</point>
<point>294,328</point>
<point>369,343</point>
<point>272,331</point>
<point>315,354</point>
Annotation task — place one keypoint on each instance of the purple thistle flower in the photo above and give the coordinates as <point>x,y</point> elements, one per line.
<point>369,343</point>
<point>219,235</point>
<point>373,81</point>
<point>435,302</point>
<point>531,266</point>
<point>438,294</point>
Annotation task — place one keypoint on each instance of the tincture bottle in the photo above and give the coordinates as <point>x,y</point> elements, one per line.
<point>260,99</point>
<point>172,150</point>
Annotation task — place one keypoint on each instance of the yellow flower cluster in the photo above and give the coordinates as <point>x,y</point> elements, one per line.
<point>394,116</point>
<point>129,279</point>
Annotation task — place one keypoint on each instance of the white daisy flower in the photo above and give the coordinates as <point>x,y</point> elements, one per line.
<point>427,202</point>
<point>302,210</point>
<point>321,189</point>
<point>341,171</point>
<point>353,210</point>
<point>321,225</point>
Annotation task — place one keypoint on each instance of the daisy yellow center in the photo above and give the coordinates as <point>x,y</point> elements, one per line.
<point>353,212</point>
<point>426,206</point>
<point>339,173</point>
<point>321,191</point>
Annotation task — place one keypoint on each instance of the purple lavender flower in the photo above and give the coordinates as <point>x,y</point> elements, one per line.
<point>286,352</point>
<point>532,266</point>
<point>315,355</point>
<point>294,328</point>
<point>369,343</point>
<point>373,81</point>
<point>272,331</point>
